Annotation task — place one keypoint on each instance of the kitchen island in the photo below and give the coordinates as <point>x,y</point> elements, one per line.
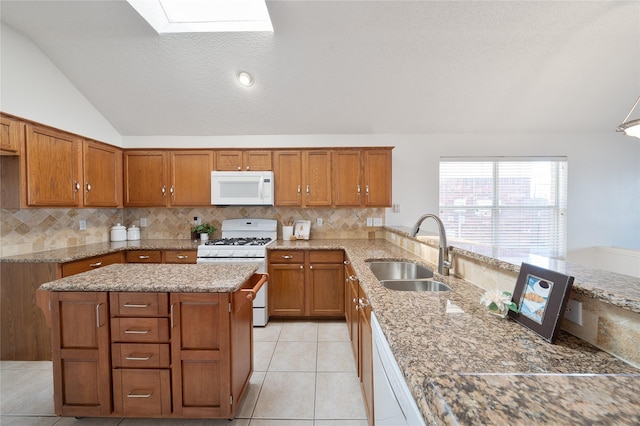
<point>152,340</point>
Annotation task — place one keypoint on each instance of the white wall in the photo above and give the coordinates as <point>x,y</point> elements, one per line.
<point>604,169</point>
<point>32,87</point>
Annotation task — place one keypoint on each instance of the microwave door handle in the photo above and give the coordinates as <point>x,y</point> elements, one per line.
<point>261,187</point>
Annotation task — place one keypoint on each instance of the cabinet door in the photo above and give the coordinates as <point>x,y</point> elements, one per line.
<point>228,161</point>
<point>286,290</point>
<point>257,160</point>
<point>52,168</point>
<point>143,256</point>
<point>10,135</point>
<point>326,290</point>
<point>102,168</point>
<point>200,352</point>
<point>366,356</point>
<point>346,168</point>
<point>191,178</point>
<point>287,174</point>
<point>84,265</point>
<point>377,178</point>
<point>180,256</point>
<point>145,179</point>
<point>80,346</point>
<point>316,166</point>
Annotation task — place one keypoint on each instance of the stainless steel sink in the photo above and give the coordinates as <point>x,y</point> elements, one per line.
<point>399,270</point>
<point>415,285</point>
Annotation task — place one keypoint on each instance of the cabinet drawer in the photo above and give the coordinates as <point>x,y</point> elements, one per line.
<point>326,256</point>
<point>144,256</point>
<point>134,304</point>
<point>180,256</point>
<point>286,256</point>
<point>84,265</point>
<point>140,330</point>
<point>140,393</point>
<point>140,355</point>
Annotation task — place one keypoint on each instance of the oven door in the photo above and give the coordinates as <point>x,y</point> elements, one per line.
<point>260,308</point>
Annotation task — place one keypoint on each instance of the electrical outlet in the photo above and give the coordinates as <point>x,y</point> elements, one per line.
<point>83,225</point>
<point>319,221</point>
<point>143,222</point>
<point>377,221</point>
<point>369,221</point>
<point>573,312</point>
<point>396,208</point>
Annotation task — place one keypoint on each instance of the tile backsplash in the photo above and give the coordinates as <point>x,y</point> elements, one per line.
<point>33,230</point>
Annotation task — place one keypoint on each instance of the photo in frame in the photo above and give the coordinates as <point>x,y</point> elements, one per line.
<point>541,296</point>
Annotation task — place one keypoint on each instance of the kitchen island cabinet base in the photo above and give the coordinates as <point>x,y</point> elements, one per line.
<point>102,371</point>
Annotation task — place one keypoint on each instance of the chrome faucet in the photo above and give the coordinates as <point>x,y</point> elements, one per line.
<point>444,263</point>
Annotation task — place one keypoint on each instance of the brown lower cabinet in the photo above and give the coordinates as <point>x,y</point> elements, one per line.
<point>306,283</point>
<point>358,316</point>
<point>168,355</point>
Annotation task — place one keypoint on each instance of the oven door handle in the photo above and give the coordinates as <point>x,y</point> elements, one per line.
<point>251,292</point>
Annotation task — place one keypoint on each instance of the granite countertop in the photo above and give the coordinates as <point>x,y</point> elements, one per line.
<point>464,366</point>
<point>209,278</point>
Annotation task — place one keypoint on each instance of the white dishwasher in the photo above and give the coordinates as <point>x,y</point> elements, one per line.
<point>393,403</point>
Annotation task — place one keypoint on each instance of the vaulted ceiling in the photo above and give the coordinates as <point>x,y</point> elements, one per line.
<point>334,67</point>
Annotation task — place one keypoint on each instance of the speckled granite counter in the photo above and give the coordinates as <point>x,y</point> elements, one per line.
<point>473,368</point>
<point>158,278</point>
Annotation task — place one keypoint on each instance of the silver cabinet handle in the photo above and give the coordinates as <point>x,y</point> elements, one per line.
<point>183,257</point>
<point>358,188</point>
<point>143,257</point>
<point>134,305</point>
<point>137,331</point>
<point>98,315</point>
<point>139,395</point>
<point>285,256</point>
<point>363,303</point>
<point>239,168</point>
<point>347,262</point>
<point>298,189</point>
<point>96,265</point>
<point>248,168</point>
<point>171,316</point>
<point>76,186</point>
<point>164,189</point>
<point>140,357</point>
<point>301,267</point>
<point>88,185</point>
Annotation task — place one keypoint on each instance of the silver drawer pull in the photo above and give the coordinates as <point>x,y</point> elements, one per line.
<point>137,331</point>
<point>138,357</point>
<point>143,257</point>
<point>134,305</point>
<point>183,257</point>
<point>95,265</point>
<point>287,257</point>
<point>139,395</point>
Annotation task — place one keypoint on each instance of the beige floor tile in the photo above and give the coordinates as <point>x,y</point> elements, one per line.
<point>340,423</point>
<point>26,391</point>
<point>336,356</point>
<point>27,365</point>
<point>338,396</point>
<point>262,354</point>
<point>91,421</point>
<point>269,333</point>
<point>265,422</point>
<point>184,422</point>
<point>248,402</point>
<point>299,332</point>
<point>294,356</point>
<point>286,395</point>
<point>333,332</point>
<point>27,421</point>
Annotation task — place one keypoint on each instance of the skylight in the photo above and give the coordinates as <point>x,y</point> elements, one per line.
<point>195,16</point>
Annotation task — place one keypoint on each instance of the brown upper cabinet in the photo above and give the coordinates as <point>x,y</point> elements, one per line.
<point>52,168</point>
<point>102,167</point>
<point>361,177</point>
<point>237,160</point>
<point>302,178</point>
<point>168,178</point>
<point>11,135</point>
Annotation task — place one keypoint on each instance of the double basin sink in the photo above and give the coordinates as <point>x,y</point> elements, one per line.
<point>405,276</point>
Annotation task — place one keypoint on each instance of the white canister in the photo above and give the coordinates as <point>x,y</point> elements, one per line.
<point>133,233</point>
<point>118,233</point>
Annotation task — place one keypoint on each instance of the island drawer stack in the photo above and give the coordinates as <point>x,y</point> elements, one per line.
<point>140,351</point>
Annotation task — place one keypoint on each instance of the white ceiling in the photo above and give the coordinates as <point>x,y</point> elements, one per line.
<point>341,67</point>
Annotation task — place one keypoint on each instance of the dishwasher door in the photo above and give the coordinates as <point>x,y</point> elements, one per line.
<point>393,403</point>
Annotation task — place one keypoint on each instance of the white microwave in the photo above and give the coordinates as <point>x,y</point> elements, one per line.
<point>242,188</point>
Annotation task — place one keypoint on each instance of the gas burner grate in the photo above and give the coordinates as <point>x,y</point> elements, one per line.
<point>249,241</point>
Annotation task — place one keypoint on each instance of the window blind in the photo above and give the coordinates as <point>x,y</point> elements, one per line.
<point>512,203</point>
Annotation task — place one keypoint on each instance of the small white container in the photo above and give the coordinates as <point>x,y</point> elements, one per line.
<point>118,233</point>
<point>133,233</point>
<point>287,233</point>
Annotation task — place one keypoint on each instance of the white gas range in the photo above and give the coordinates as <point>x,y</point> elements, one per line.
<point>244,241</point>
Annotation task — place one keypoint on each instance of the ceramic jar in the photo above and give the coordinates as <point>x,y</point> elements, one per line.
<point>118,233</point>
<point>133,233</point>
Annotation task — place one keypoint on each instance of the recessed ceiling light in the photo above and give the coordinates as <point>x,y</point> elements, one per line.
<point>183,16</point>
<point>245,79</point>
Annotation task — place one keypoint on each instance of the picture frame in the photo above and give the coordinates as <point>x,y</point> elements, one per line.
<point>541,296</point>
